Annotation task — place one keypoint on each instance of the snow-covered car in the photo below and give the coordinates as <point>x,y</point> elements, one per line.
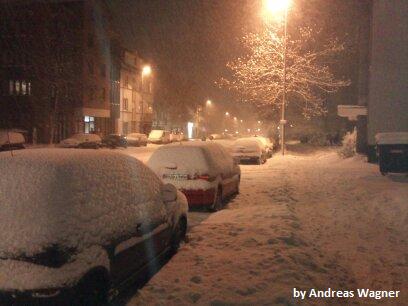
<point>204,171</point>
<point>266,142</point>
<point>174,137</point>
<point>249,149</point>
<point>114,141</point>
<point>136,139</point>
<point>75,225</point>
<point>11,140</point>
<point>83,141</point>
<point>159,136</point>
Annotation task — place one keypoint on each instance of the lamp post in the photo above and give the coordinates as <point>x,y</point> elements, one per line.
<point>146,71</point>
<point>276,7</point>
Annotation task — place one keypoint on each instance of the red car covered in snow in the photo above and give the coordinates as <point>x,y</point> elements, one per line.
<point>204,171</point>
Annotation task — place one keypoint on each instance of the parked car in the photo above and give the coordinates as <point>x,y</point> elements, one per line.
<point>175,137</point>
<point>82,141</point>
<point>216,136</point>
<point>137,139</point>
<point>204,171</point>
<point>266,142</point>
<point>249,149</point>
<point>115,140</point>
<point>159,136</point>
<point>10,140</point>
<point>77,225</point>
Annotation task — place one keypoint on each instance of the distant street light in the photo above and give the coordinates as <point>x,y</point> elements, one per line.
<point>208,103</point>
<point>274,7</point>
<point>146,70</point>
<point>235,119</point>
<point>226,113</point>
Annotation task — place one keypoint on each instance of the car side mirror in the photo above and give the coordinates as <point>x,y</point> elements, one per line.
<point>169,193</point>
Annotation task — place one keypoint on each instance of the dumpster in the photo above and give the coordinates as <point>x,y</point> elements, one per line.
<point>392,150</point>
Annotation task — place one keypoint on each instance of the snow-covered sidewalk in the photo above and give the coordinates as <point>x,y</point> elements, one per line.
<point>304,221</point>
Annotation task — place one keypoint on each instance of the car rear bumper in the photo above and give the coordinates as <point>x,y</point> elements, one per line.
<point>199,197</point>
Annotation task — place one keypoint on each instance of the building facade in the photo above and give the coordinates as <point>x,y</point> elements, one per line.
<point>136,95</point>
<point>62,71</point>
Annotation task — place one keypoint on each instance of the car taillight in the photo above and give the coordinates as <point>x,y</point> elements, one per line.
<point>205,177</point>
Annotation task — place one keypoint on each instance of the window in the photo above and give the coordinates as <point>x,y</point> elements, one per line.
<point>90,67</point>
<point>126,81</point>
<point>89,124</point>
<point>103,70</point>
<point>103,95</point>
<point>90,40</point>
<point>125,104</point>
<point>91,94</point>
<point>19,88</point>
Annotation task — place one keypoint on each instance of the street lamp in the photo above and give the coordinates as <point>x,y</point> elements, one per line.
<point>209,103</point>
<point>226,113</point>
<point>146,71</point>
<point>275,7</point>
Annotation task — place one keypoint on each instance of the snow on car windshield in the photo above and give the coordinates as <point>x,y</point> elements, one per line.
<point>72,198</point>
<point>247,143</point>
<point>156,134</point>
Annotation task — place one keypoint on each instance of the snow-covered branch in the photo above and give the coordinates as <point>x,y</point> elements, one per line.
<point>258,76</point>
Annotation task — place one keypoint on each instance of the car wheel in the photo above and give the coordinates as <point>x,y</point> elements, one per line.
<point>218,200</point>
<point>259,161</point>
<point>92,290</point>
<point>178,235</point>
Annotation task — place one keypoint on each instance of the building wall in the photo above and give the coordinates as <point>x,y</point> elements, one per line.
<point>388,73</point>
<point>135,96</point>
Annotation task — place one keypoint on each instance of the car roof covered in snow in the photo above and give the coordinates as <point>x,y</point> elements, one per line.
<point>195,157</point>
<point>72,197</point>
<point>392,138</point>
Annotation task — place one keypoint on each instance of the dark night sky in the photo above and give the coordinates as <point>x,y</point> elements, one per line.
<point>190,41</point>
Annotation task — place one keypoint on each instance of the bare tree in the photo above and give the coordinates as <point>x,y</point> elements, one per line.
<point>258,76</point>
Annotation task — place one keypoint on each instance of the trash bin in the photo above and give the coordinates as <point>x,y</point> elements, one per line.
<point>392,150</point>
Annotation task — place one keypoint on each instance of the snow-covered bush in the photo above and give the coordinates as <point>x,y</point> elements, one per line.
<point>348,148</point>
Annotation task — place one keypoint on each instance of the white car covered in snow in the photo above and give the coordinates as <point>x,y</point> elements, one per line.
<point>266,142</point>
<point>249,149</point>
<point>204,171</point>
<point>11,140</point>
<point>76,225</point>
<point>83,141</point>
<point>159,137</point>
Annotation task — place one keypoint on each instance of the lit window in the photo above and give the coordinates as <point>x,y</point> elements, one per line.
<point>17,88</point>
<point>11,87</point>
<point>23,87</point>
<point>89,124</point>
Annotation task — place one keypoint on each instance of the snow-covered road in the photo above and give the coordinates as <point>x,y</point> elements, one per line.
<point>304,220</point>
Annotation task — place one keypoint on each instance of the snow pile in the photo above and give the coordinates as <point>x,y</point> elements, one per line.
<point>11,137</point>
<point>349,145</point>
<point>72,198</point>
<point>392,138</point>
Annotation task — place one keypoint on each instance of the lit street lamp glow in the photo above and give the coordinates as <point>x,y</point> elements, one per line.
<point>276,6</point>
<point>209,103</point>
<point>147,70</point>
<point>226,113</point>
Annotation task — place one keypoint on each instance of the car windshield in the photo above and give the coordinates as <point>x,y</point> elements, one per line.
<point>156,134</point>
